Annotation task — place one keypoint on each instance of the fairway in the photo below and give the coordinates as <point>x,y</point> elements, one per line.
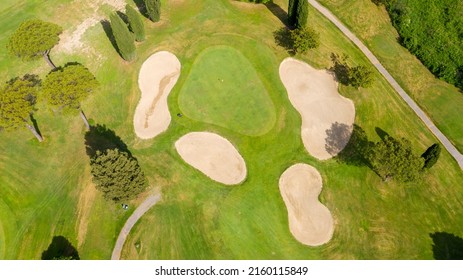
<point>224,89</point>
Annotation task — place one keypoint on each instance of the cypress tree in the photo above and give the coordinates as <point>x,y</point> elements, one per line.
<point>292,12</point>
<point>136,23</point>
<point>153,8</point>
<point>124,39</point>
<point>302,13</point>
<point>431,156</point>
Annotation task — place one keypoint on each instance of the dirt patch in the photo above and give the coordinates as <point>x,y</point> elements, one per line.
<point>327,117</point>
<point>214,156</point>
<point>86,198</point>
<point>158,75</point>
<point>310,222</point>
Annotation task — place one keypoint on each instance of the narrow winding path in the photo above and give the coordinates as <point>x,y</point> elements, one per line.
<point>421,114</point>
<point>133,219</point>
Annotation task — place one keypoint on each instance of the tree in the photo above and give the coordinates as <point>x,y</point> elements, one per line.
<point>66,87</point>
<point>34,38</point>
<point>136,23</point>
<point>431,155</point>
<point>153,8</point>
<point>124,39</point>
<point>360,76</point>
<point>292,12</point>
<point>394,159</point>
<point>17,100</point>
<point>302,13</point>
<point>117,175</point>
<point>304,39</point>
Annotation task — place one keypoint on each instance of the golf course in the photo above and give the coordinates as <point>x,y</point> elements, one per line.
<point>251,150</point>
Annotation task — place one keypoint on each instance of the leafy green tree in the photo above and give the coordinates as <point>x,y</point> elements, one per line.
<point>393,159</point>
<point>34,38</point>
<point>304,39</point>
<point>66,87</point>
<point>124,39</point>
<point>431,155</point>
<point>302,13</point>
<point>136,23</point>
<point>153,8</point>
<point>292,12</point>
<point>117,175</point>
<point>360,76</point>
<point>17,100</point>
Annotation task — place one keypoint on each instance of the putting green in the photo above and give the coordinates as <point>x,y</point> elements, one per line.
<point>224,89</point>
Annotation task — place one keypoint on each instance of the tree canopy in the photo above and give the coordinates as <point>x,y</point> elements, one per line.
<point>153,8</point>
<point>304,39</point>
<point>17,99</point>
<point>34,38</point>
<point>117,175</point>
<point>66,87</point>
<point>356,76</point>
<point>124,39</point>
<point>394,159</point>
<point>431,155</point>
<point>136,23</point>
<point>302,13</point>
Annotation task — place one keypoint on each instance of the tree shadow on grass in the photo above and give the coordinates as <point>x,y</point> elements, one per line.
<point>100,138</point>
<point>350,143</point>
<point>277,11</point>
<point>283,39</point>
<point>109,33</point>
<point>447,246</point>
<point>60,249</point>
<point>381,133</point>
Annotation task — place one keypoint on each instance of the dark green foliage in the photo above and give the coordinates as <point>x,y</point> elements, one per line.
<point>447,246</point>
<point>431,155</point>
<point>66,87</point>
<point>153,8</point>
<point>117,175</point>
<point>391,158</point>
<point>124,39</point>
<point>60,249</point>
<point>433,31</point>
<point>17,99</point>
<point>302,13</point>
<point>33,39</point>
<point>304,39</point>
<point>136,23</point>
<point>357,76</point>
<point>259,1</point>
<point>292,12</point>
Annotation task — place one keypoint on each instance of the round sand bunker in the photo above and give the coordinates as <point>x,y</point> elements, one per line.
<point>213,155</point>
<point>158,75</point>
<point>310,222</point>
<point>327,117</point>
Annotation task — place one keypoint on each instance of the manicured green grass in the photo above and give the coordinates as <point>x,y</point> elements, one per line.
<point>223,88</point>
<point>441,101</point>
<point>45,187</point>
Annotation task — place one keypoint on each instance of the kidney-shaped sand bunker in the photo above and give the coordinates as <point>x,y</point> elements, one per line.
<point>213,155</point>
<point>310,222</point>
<point>158,75</point>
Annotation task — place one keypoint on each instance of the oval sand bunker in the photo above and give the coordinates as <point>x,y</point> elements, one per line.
<point>213,155</point>
<point>158,75</point>
<point>310,222</point>
<point>327,117</point>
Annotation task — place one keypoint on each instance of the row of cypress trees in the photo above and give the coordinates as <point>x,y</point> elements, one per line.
<point>298,11</point>
<point>126,35</point>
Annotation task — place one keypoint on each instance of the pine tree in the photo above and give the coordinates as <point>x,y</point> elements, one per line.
<point>124,39</point>
<point>117,175</point>
<point>292,12</point>
<point>302,13</point>
<point>136,23</point>
<point>153,8</point>
<point>431,155</point>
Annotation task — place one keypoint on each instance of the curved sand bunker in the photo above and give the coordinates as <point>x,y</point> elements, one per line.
<point>327,117</point>
<point>158,75</point>
<point>213,155</point>
<point>310,222</point>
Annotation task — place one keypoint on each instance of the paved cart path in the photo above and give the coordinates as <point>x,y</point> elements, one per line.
<point>133,219</point>
<point>421,114</point>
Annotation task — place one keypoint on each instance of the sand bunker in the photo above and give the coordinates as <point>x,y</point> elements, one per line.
<point>327,117</point>
<point>213,155</point>
<point>310,222</point>
<point>158,75</point>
